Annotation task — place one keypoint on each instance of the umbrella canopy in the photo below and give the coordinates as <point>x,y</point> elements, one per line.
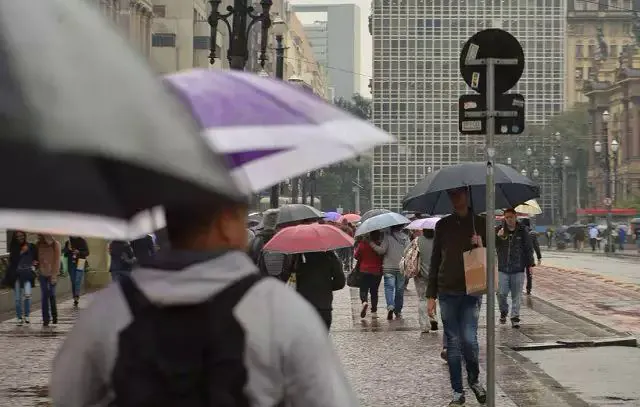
<point>297,213</point>
<point>426,223</point>
<point>271,130</point>
<point>373,212</point>
<point>351,217</point>
<point>332,216</point>
<point>530,207</point>
<point>308,238</point>
<point>91,138</point>
<point>430,194</point>
<point>379,222</point>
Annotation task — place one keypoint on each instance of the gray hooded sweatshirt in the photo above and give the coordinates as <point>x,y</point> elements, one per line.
<point>288,354</point>
<point>392,248</point>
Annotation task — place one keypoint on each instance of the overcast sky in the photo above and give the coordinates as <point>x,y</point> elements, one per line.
<point>365,51</point>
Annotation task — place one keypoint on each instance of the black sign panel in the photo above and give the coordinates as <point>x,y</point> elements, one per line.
<point>472,118</point>
<point>492,43</point>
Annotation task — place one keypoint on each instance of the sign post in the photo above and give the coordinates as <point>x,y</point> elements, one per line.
<point>482,56</point>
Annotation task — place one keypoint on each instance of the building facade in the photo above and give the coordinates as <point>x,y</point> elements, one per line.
<point>134,18</point>
<point>590,25</point>
<point>336,44</point>
<point>416,82</point>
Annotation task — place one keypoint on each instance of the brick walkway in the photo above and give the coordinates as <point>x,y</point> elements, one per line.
<point>604,300</point>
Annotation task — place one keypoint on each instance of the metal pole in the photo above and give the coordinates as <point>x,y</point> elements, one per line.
<point>275,190</point>
<point>238,50</point>
<point>553,195</point>
<point>490,236</point>
<point>564,193</point>
<point>357,192</point>
<point>312,189</point>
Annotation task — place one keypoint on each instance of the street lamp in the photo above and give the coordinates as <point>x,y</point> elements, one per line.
<point>610,174</point>
<point>536,173</point>
<point>243,18</point>
<point>523,172</point>
<point>552,162</point>
<point>508,160</point>
<point>529,152</point>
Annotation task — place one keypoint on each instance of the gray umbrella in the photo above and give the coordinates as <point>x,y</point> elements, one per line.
<point>295,213</point>
<point>373,212</point>
<point>382,221</point>
<point>95,132</point>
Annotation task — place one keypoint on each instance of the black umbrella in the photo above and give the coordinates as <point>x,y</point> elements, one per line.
<point>93,133</point>
<point>373,212</point>
<point>430,194</point>
<point>296,213</point>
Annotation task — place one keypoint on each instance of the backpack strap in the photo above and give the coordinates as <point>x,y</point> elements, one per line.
<point>136,300</point>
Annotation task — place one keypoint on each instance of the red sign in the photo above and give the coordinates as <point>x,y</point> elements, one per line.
<point>604,211</point>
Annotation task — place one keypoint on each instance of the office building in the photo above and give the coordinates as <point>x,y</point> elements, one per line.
<point>416,82</point>
<point>336,43</point>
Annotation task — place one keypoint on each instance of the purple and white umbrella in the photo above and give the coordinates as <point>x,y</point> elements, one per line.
<point>271,130</point>
<point>426,223</point>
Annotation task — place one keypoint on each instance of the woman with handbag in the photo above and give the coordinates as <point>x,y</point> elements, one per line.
<point>369,263</point>
<point>23,257</point>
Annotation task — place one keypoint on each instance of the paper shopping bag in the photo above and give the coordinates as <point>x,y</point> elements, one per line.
<point>81,264</point>
<point>475,271</point>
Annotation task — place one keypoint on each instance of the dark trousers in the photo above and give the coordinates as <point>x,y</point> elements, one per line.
<point>529,280</point>
<point>593,242</point>
<point>325,314</point>
<point>48,299</point>
<point>369,285</point>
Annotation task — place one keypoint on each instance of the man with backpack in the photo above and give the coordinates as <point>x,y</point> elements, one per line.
<point>197,326</point>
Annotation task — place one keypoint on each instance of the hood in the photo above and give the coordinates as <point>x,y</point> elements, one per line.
<point>180,277</point>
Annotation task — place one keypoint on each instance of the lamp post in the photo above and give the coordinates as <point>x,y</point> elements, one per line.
<point>243,18</point>
<point>508,160</point>
<point>566,162</point>
<point>602,150</point>
<point>279,28</point>
<point>523,172</point>
<point>552,162</point>
<point>535,173</point>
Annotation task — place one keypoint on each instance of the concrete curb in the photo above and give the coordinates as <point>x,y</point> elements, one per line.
<point>629,341</point>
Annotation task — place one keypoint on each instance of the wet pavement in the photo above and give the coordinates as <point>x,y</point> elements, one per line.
<point>618,269</point>
<point>392,363</point>
<point>607,301</point>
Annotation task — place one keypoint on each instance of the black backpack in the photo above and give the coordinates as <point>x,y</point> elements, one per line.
<point>187,355</point>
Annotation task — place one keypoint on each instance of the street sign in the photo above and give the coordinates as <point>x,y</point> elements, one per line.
<point>607,201</point>
<point>491,43</point>
<point>472,116</point>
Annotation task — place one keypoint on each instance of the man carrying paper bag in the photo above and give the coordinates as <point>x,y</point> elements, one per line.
<point>456,234</point>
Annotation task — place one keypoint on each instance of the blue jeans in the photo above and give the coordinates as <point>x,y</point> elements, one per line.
<point>75,276</point>
<point>48,299</point>
<point>510,283</point>
<point>460,321</point>
<point>22,293</point>
<point>394,290</point>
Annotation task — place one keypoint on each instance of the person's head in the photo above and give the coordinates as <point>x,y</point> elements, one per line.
<point>375,236</point>
<point>208,227</point>
<point>429,233</point>
<point>396,229</point>
<point>460,200</point>
<point>19,237</point>
<point>526,222</point>
<point>270,219</point>
<point>416,233</point>
<point>510,218</point>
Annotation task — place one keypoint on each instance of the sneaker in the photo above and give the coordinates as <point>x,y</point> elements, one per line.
<point>458,400</point>
<point>399,315</point>
<point>515,322</point>
<point>26,320</point>
<point>479,391</point>
<point>390,315</point>
<point>374,315</point>
<point>434,325</point>
<point>45,324</point>
<point>54,321</point>
<point>19,321</point>
<point>76,301</point>
<point>528,292</point>
<point>363,312</point>
<point>503,317</point>
<point>443,355</point>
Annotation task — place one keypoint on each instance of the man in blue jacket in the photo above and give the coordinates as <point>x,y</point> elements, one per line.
<point>515,255</point>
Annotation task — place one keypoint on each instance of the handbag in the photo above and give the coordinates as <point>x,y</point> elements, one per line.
<point>354,278</point>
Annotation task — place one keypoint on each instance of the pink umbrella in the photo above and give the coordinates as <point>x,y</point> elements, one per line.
<point>426,223</point>
<point>351,217</point>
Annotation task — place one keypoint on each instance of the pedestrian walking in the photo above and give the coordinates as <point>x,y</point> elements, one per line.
<point>425,248</point>
<point>122,259</point>
<point>533,236</point>
<point>622,237</point>
<point>20,276</point>
<point>264,345</point>
<point>454,235</point>
<point>580,238</point>
<point>370,264</point>
<point>392,249</point>
<point>144,248</point>
<point>49,254</point>
<point>75,253</point>
<point>593,237</point>
<point>515,255</point>
<point>636,234</point>
<point>317,276</point>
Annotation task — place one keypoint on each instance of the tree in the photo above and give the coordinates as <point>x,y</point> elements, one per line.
<point>358,106</point>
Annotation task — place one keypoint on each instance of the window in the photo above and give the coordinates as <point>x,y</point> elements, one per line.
<point>160,11</point>
<point>592,51</point>
<point>163,40</point>
<point>201,42</point>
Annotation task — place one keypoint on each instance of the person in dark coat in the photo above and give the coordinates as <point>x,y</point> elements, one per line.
<point>20,276</point>
<point>144,248</point>
<point>317,276</point>
<point>536,248</point>
<point>122,259</point>
<point>75,252</point>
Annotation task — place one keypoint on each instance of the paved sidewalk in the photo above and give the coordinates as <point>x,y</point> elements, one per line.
<point>392,363</point>
<point>604,300</point>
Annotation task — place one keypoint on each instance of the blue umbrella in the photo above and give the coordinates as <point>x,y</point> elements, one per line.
<point>332,216</point>
<point>382,221</point>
